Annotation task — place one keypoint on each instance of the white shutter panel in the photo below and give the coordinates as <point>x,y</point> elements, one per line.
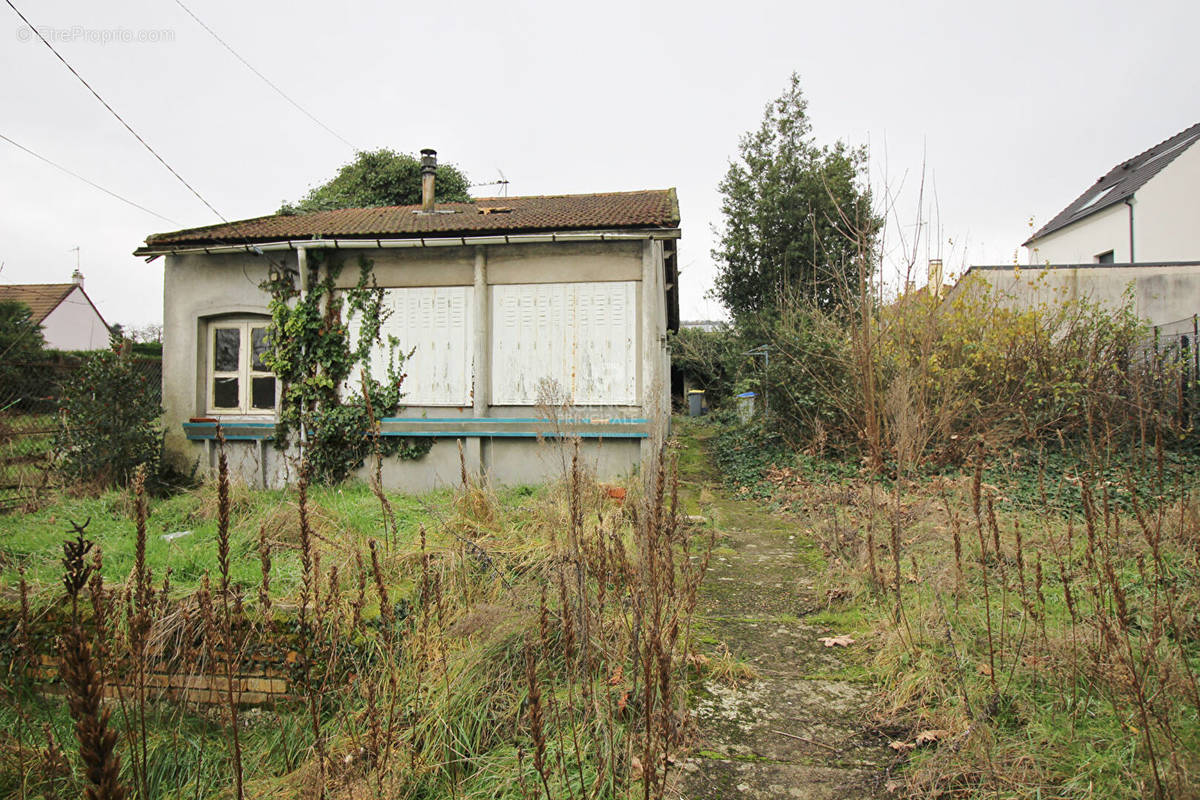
<point>436,324</point>
<point>581,335</point>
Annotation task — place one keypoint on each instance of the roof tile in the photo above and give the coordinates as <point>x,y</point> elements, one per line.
<point>500,215</point>
<point>1121,181</point>
<point>41,298</point>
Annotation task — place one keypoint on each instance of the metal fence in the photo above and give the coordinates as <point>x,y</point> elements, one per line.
<point>1170,362</point>
<point>29,403</point>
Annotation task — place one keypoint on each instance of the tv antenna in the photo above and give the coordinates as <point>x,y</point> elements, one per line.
<point>503,183</point>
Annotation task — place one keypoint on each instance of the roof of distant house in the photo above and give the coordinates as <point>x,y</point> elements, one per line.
<point>655,208</point>
<point>42,298</point>
<point>1121,181</point>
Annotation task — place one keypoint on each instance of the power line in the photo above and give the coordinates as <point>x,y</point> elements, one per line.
<point>264,78</point>
<point>104,103</point>
<point>94,185</point>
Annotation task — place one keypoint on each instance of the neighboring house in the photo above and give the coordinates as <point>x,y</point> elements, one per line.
<point>493,296</point>
<point>1138,228</point>
<point>1145,210</point>
<point>67,315</point>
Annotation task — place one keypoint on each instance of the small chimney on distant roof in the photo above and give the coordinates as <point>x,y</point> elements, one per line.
<point>935,277</point>
<point>77,278</point>
<point>428,172</point>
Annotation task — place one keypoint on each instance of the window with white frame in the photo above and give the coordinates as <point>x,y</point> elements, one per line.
<point>238,382</point>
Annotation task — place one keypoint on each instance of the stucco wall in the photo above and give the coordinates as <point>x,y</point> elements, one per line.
<point>75,325</point>
<point>1161,294</point>
<point>1166,223</point>
<point>1166,212</point>
<point>200,288</point>
<point>1082,241</point>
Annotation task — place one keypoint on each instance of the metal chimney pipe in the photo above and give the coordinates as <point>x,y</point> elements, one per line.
<point>428,172</point>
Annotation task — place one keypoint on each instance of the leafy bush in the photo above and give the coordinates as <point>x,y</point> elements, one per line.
<point>108,415</point>
<point>709,359</point>
<point>923,380</point>
<point>972,369</point>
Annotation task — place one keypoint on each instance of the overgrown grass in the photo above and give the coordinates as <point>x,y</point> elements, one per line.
<point>1042,631</point>
<point>469,643</point>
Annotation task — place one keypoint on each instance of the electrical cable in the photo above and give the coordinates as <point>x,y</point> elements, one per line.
<point>104,103</point>
<point>264,78</point>
<point>93,184</point>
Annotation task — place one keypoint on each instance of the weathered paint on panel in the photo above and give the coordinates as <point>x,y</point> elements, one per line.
<point>580,335</point>
<point>435,325</point>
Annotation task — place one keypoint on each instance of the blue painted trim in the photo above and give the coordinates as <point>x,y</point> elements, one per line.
<point>200,431</point>
<point>485,434</point>
<point>572,421</point>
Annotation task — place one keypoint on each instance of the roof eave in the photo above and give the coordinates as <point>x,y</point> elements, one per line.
<point>1046,230</point>
<point>384,241</point>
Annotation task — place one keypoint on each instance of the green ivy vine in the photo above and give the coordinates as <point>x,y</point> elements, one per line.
<point>312,353</point>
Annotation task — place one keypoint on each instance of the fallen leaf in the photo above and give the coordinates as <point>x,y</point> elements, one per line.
<point>837,641</point>
<point>622,701</point>
<point>635,769</point>
<point>617,676</point>
<point>931,736</point>
<point>892,786</point>
<point>985,670</point>
<point>901,747</point>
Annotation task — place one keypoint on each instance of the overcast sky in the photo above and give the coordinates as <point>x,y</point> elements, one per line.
<point>1014,108</point>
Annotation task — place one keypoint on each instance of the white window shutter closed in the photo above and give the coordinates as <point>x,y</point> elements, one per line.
<point>436,324</point>
<point>583,336</point>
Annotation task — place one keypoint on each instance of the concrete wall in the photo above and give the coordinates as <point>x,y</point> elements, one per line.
<point>1161,294</point>
<point>203,288</point>
<point>1166,223</point>
<point>75,325</point>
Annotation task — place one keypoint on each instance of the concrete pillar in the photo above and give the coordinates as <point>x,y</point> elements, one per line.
<point>653,328</point>
<point>478,450</point>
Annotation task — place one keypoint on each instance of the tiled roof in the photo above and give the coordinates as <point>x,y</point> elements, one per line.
<point>42,298</point>
<point>656,208</point>
<point>1121,181</point>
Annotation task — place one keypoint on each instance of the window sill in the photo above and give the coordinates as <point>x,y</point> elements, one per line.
<point>234,428</point>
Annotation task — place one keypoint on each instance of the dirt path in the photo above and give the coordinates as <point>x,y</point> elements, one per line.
<point>801,727</point>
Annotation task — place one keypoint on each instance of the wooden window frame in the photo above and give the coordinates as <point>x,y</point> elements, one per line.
<point>245,373</point>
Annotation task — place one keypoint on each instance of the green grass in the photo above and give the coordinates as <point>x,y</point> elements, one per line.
<point>346,516</point>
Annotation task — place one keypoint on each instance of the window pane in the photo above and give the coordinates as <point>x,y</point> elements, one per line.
<point>262,393</point>
<point>228,343</point>
<point>260,343</point>
<point>225,392</point>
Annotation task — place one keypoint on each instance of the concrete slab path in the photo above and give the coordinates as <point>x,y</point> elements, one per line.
<point>800,729</point>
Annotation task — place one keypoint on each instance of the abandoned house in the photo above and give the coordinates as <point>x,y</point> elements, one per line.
<point>496,299</point>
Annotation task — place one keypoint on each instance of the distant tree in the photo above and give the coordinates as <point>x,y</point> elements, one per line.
<point>22,348</point>
<point>20,337</point>
<point>786,203</point>
<point>380,178</point>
